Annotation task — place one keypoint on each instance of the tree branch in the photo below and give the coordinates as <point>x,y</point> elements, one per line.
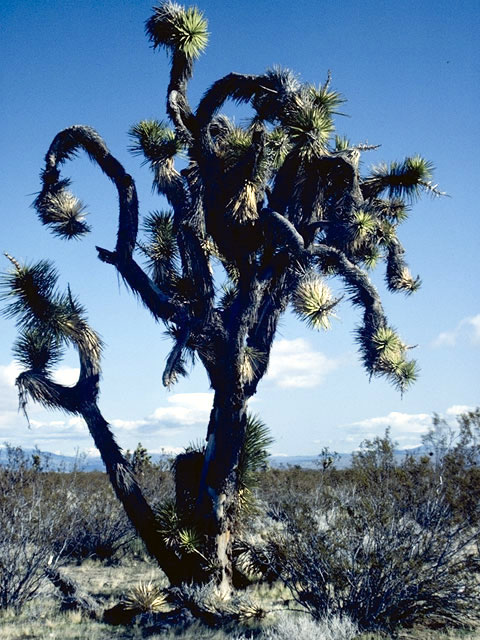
<point>64,146</point>
<point>281,230</point>
<point>158,303</point>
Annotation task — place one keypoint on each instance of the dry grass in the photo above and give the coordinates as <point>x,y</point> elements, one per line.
<point>424,634</point>
<point>111,583</point>
<point>41,619</point>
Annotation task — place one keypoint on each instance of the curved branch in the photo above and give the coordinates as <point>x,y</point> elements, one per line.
<point>363,293</point>
<point>157,302</point>
<point>398,274</point>
<point>64,146</point>
<point>178,107</point>
<point>281,230</point>
<point>236,86</point>
<point>129,492</point>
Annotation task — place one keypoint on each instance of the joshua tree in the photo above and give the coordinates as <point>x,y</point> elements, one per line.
<point>273,209</point>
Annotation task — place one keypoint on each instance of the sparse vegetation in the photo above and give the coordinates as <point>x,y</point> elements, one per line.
<point>262,216</point>
<point>381,546</point>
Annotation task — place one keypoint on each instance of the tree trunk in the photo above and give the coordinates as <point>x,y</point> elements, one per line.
<point>218,492</point>
<point>130,494</point>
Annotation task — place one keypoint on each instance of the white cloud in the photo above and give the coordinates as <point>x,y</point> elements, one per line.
<point>474,323</point>
<point>128,425</point>
<point>9,373</point>
<point>293,363</point>
<point>467,329</point>
<point>446,339</point>
<point>457,409</point>
<point>91,452</point>
<point>168,451</point>
<point>187,408</point>
<point>405,428</point>
<point>67,376</point>
<point>413,423</point>
<point>63,375</point>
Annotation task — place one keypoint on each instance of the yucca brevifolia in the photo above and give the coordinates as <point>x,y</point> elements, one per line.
<point>274,208</point>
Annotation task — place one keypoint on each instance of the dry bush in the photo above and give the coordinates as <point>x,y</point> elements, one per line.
<point>102,528</point>
<point>36,525</point>
<point>289,626</point>
<point>386,547</point>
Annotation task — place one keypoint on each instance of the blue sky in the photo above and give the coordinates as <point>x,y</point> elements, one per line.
<point>410,72</point>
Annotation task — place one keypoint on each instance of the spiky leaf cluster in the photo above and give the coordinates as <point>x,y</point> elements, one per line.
<point>37,350</point>
<point>384,354</point>
<point>161,248</point>
<point>64,213</point>
<point>309,123</point>
<point>159,145</point>
<point>177,532</point>
<point>398,274</point>
<point>404,179</point>
<point>253,459</point>
<point>233,143</point>
<point>146,597</point>
<point>252,359</point>
<point>46,317</point>
<point>177,28</point>
<point>313,301</point>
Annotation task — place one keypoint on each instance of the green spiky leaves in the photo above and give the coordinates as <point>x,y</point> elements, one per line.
<point>385,354</point>
<point>161,248</point>
<point>146,597</point>
<point>159,145</point>
<point>154,139</point>
<point>313,301</point>
<point>176,533</point>
<point>309,126</point>
<point>307,116</point>
<point>253,459</point>
<point>37,351</point>
<point>63,212</point>
<point>342,143</point>
<point>233,144</point>
<point>387,342</point>
<point>177,28</point>
<point>325,98</point>
<point>278,146</point>
<point>46,317</point>
<point>364,224</point>
<point>28,291</point>
<point>402,179</point>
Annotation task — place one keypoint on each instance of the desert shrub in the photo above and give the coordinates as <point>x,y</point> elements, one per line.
<point>36,524</point>
<point>385,548</point>
<point>301,627</point>
<point>101,527</point>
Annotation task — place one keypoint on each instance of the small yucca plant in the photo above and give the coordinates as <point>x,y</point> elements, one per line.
<point>146,597</point>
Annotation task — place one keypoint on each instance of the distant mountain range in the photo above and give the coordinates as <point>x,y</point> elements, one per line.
<point>90,463</point>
